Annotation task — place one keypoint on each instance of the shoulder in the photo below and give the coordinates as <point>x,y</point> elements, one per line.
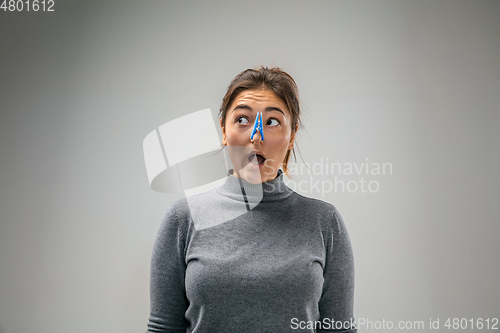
<point>330,219</point>
<point>182,211</point>
<point>176,220</point>
<point>315,205</point>
<point>177,210</point>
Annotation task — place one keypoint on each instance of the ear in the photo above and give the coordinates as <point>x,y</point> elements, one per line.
<point>224,141</point>
<point>292,137</point>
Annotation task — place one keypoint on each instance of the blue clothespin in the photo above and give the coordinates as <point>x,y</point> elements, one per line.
<point>257,126</point>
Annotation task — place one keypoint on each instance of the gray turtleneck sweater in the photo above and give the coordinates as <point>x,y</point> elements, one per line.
<point>252,258</point>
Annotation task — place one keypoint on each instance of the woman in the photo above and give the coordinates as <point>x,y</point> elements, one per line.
<point>285,264</point>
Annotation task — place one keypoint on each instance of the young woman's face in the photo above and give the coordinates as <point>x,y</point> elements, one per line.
<point>259,161</point>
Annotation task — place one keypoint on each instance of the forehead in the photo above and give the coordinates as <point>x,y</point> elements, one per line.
<point>257,97</point>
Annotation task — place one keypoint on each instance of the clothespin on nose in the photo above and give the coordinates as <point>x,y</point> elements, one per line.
<point>257,126</point>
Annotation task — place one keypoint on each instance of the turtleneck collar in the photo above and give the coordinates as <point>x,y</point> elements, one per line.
<point>242,190</point>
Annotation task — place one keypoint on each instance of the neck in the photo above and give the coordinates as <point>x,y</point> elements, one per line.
<point>242,190</point>
<point>258,179</point>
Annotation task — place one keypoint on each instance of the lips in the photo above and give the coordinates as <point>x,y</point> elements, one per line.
<point>256,158</point>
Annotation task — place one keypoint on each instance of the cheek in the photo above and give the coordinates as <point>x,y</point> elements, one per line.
<point>279,144</point>
<point>235,138</point>
<point>282,140</point>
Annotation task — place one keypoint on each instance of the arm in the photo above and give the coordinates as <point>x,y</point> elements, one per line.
<point>168,300</point>
<point>337,300</point>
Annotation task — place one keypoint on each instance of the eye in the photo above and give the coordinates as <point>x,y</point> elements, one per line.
<point>273,122</point>
<point>242,120</point>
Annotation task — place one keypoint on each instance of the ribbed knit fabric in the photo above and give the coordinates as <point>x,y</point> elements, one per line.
<point>252,258</point>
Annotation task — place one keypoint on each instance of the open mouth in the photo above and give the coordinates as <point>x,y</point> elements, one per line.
<point>256,159</point>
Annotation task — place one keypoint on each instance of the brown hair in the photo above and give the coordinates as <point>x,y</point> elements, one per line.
<point>273,79</point>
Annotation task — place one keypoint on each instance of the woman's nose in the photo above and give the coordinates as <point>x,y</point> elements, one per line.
<point>256,137</point>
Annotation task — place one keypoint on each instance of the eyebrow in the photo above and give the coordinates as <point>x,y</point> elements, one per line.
<point>246,107</point>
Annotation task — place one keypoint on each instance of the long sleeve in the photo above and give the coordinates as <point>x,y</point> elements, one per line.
<point>168,300</point>
<point>337,299</point>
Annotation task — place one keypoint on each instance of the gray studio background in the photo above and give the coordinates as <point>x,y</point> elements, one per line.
<point>411,83</point>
